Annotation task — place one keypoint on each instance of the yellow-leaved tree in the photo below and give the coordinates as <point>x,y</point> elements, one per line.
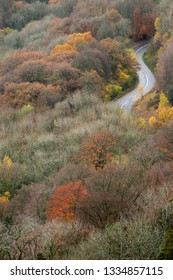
<point>157,28</point>
<point>4,200</point>
<point>64,48</point>
<point>78,39</point>
<point>152,121</point>
<point>6,162</point>
<point>163,101</point>
<point>74,42</point>
<point>164,112</point>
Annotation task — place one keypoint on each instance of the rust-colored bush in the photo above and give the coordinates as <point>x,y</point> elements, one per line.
<point>62,206</point>
<point>98,149</point>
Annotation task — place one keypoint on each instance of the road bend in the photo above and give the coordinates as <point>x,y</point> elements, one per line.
<point>146,81</point>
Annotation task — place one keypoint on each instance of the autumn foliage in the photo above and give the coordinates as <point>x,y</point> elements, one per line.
<point>6,162</point>
<point>83,179</point>
<point>144,25</point>
<point>4,201</point>
<point>164,69</point>
<point>98,149</point>
<point>19,95</point>
<point>64,48</point>
<point>62,205</point>
<point>72,57</point>
<point>164,112</point>
<point>74,42</point>
<point>6,165</point>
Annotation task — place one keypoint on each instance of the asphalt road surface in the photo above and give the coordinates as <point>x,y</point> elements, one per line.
<point>146,81</point>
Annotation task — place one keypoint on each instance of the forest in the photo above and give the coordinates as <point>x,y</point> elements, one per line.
<point>79,177</point>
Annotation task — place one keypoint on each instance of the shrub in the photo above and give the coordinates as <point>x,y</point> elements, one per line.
<point>166,252</point>
<point>136,239</point>
<point>121,62</point>
<point>112,192</point>
<point>33,71</point>
<point>163,140</point>
<point>29,201</point>
<point>55,42</point>
<point>78,40</point>
<point>50,241</point>
<point>10,67</point>
<point>164,69</point>
<point>67,77</point>
<point>62,206</point>
<point>63,8</point>
<point>99,209</point>
<point>18,95</point>
<point>64,48</point>
<point>113,90</point>
<point>29,12</point>
<point>11,178</point>
<point>26,109</point>
<point>16,59</point>
<point>141,122</point>
<point>153,122</point>
<point>49,98</point>
<point>92,58</point>
<point>164,112</point>
<point>98,149</point>
<point>124,78</point>
<point>74,42</point>
<point>4,200</point>
<point>70,173</point>
<point>5,11</point>
<point>6,162</point>
<point>107,97</point>
<point>8,30</point>
<point>36,35</point>
<point>113,25</point>
<point>154,102</point>
<point>91,81</point>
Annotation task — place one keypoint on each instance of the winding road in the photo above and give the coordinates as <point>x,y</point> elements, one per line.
<point>146,81</point>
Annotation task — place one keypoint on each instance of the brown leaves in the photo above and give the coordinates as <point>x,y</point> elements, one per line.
<point>97,150</point>
<point>143,24</point>
<point>18,95</point>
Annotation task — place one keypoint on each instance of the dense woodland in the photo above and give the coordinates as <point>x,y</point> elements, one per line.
<point>79,178</point>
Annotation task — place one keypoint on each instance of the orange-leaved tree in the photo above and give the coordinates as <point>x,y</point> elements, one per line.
<point>98,149</point>
<point>63,203</point>
<point>5,197</point>
<point>64,48</point>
